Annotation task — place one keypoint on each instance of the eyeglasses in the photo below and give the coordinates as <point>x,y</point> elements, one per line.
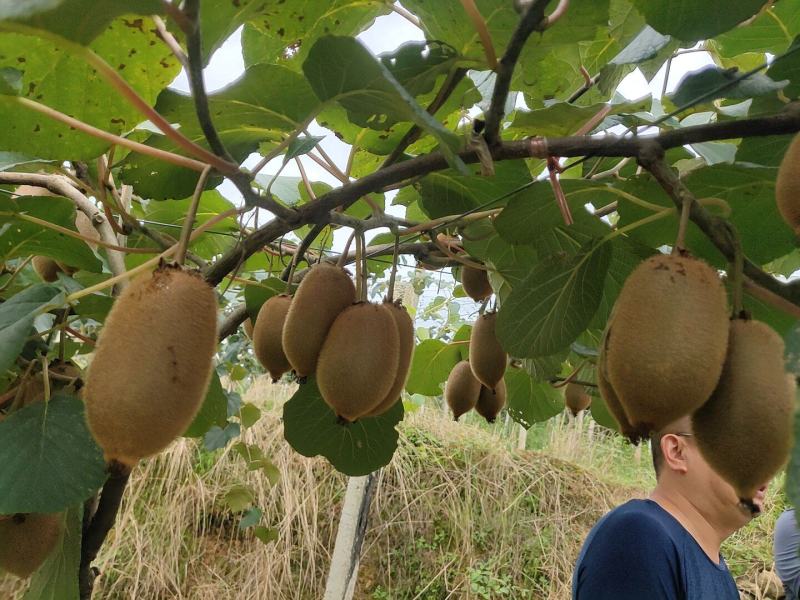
<point>683,434</point>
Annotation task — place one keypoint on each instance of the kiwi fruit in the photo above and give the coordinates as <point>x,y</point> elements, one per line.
<point>666,345</point>
<point>324,293</point>
<point>462,389</point>
<point>46,268</point>
<point>744,431</point>
<point>268,335</point>
<point>486,356</point>
<point>248,327</point>
<point>612,401</point>
<point>152,364</point>
<point>787,185</point>
<point>358,362</point>
<point>475,283</point>
<point>576,398</point>
<point>26,540</point>
<point>491,402</point>
<point>405,331</point>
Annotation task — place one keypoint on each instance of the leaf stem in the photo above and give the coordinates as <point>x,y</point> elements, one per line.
<point>183,242</point>
<point>483,32</point>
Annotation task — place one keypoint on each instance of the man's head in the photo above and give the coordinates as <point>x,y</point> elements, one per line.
<point>681,468</point>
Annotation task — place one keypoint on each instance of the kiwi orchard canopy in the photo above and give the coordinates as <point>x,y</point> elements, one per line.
<point>606,285</point>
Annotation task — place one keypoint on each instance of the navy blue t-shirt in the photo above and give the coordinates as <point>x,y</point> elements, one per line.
<point>639,550</point>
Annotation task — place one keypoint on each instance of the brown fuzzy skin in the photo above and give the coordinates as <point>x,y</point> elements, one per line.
<point>46,268</point>
<point>462,390</point>
<point>324,293</point>
<point>152,365</point>
<point>476,283</point>
<point>787,186</point>
<point>611,399</point>
<point>27,540</point>
<point>576,398</point>
<point>358,363</point>
<point>744,431</point>
<point>268,333</point>
<point>405,332</point>
<point>666,345</point>
<point>490,403</point>
<point>248,328</point>
<point>486,356</point>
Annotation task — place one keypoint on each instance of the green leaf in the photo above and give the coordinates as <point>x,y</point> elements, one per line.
<point>213,412</point>
<point>555,303</point>
<point>57,578</point>
<point>54,76</point>
<point>251,517</point>
<point>600,413</point>
<point>512,262</point>
<point>562,118</point>
<point>264,105</point>
<point>256,294</point>
<point>266,534</point>
<point>689,20</point>
<point>359,448</point>
<point>431,364</point>
<point>16,319</point>
<point>544,368</point>
<point>239,497</point>
<point>788,68</point>
<point>10,81</point>
<point>643,47</point>
<point>217,437</point>
<point>249,414</point>
<point>771,31</point>
<point>530,402</point>
<point>697,84</point>
<point>302,144</point>
<point>20,238</point>
<point>48,459</point>
<point>340,69</point>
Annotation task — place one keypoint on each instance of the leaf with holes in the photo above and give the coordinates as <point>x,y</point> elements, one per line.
<point>312,428</point>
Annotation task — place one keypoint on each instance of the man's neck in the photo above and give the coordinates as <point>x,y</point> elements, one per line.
<point>687,514</point>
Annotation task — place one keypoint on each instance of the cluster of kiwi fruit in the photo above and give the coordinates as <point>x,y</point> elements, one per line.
<point>478,383</point>
<point>671,350</point>
<point>359,351</point>
<point>48,268</point>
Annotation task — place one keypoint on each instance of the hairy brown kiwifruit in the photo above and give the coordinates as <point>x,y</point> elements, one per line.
<point>405,332</point>
<point>486,356</point>
<point>787,185</point>
<point>612,401</point>
<point>324,293</point>
<point>152,365</point>
<point>490,403</point>
<point>576,398</point>
<point>46,268</point>
<point>248,327</point>
<point>475,283</point>
<point>744,431</point>
<point>462,389</point>
<point>666,344</point>
<point>357,366</point>
<point>26,540</point>
<point>268,335</point>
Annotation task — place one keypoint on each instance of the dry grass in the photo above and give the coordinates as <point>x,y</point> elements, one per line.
<point>457,514</point>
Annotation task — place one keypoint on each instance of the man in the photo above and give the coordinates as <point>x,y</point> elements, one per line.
<point>786,547</point>
<point>667,546</point>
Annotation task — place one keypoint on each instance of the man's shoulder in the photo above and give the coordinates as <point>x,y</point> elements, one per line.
<point>639,516</point>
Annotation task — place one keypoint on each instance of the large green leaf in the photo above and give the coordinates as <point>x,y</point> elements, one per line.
<point>341,70</point>
<point>433,360</point>
<point>264,105</point>
<point>214,410</point>
<point>555,303</point>
<point>699,84</point>
<point>48,459</point>
<point>62,81</point>
<point>531,402</point>
<point>57,578</point>
<point>23,238</point>
<point>77,20</point>
<point>511,261</point>
<point>690,20</point>
<point>788,68</point>
<point>772,31</point>
<point>312,428</point>
<point>16,319</point>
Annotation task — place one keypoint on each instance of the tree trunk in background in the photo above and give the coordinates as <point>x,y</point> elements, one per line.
<point>343,573</point>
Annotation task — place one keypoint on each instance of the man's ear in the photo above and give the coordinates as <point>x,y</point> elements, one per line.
<point>673,447</point>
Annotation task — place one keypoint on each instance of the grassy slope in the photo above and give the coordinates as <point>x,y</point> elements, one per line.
<point>459,513</point>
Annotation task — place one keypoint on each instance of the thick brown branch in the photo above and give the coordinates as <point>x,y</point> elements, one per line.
<point>531,20</point>
<point>232,321</point>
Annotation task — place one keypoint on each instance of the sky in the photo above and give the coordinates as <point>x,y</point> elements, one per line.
<point>387,33</point>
